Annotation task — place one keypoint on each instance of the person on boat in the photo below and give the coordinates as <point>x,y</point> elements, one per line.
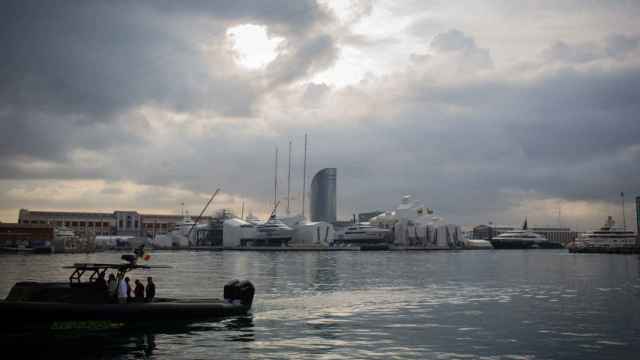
<point>112,288</point>
<point>128,282</point>
<point>122,291</point>
<point>139,291</point>
<point>150,290</point>
<point>100,283</point>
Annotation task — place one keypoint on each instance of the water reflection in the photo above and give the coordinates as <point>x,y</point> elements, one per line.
<point>511,304</point>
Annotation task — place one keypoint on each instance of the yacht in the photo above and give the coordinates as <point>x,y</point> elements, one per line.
<point>608,237</point>
<point>272,232</point>
<point>523,239</point>
<point>361,233</point>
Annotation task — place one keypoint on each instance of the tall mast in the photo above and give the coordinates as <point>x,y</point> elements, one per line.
<point>289,183</point>
<point>275,180</point>
<point>304,174</point>
<point>624,218</point>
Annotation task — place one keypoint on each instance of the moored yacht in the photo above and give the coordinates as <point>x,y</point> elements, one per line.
<point>361,233</point>
<point>272,232</point>
<point>610,237</point>
<point>523,239</point>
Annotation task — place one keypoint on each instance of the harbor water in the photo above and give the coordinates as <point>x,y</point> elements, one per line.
<point>511,304</point>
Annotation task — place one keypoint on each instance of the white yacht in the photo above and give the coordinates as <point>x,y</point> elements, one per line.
<point>610,236</point>
<point>272,232</point>
<point>523,239</point>
<point>362,233</point>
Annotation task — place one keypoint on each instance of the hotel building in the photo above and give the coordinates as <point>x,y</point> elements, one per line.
<point>116,223</point>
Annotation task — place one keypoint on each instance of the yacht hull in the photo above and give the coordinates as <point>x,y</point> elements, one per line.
<point>524,244</point>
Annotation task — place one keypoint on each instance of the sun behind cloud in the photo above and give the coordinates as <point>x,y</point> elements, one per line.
<point>253,47</point>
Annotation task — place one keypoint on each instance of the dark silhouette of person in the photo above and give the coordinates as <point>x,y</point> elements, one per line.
<point>139,291</point>
<point>127,280</point>
<point>150,290</point>
<point>101,287</point>
<point>101,283</point>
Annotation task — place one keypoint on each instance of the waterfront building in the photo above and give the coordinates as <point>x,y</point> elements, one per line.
<point>323,196</point>
<point>125,223</point>
<point>562,235</point>
<point>487,232</point>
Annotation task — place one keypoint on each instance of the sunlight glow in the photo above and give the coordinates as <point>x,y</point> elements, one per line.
<point>252,45</point>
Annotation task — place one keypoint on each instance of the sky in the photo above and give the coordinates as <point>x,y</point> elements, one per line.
<point>482,110</point>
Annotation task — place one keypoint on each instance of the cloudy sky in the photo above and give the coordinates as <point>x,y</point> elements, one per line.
<point>484,110</point>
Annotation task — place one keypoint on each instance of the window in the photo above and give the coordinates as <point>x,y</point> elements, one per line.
<point>120,223</point>
<point>90,223</point>
<point>136,224</point>
<point>81,223</point>
<point>74,223</point>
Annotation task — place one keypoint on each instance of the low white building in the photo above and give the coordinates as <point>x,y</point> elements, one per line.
<point>310,233</point>
<point>314,233</point>
<point>237,232</point>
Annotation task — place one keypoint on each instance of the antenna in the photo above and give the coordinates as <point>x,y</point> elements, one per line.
<point>560,215</point>
<point>275,180</point>
<point>203,210</point>
<point>304,174</point>
<point>289,183</point>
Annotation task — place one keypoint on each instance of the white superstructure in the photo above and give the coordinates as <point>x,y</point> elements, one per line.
<point>359,233</point>
<point>414,225</point>
<point>609,236</point>
<point>272,232</point>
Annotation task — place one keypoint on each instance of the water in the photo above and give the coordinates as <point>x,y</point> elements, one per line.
<point>510,304</point>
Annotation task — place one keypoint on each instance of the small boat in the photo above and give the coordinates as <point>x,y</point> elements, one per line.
<point>80,304</point>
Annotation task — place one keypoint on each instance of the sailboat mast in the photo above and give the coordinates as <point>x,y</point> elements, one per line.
<point>304,174</point>
<point>624,218</point>
<point>289,183</point>
<point>275,180</point>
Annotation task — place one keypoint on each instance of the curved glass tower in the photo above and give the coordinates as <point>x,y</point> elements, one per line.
<point>323,195</point>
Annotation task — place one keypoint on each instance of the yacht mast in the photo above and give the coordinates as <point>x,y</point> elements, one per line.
<point>289,183</point>
<point>275,180</point>
<point>624,218</point>
<point>304,174</point>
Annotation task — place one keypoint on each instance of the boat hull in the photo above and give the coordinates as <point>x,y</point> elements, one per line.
<point>23,315</point>
<point>522,244</point>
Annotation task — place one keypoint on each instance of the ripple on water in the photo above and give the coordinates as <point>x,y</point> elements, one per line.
<point>391,305</point>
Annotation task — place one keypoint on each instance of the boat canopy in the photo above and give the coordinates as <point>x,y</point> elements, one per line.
<point>97,269</point>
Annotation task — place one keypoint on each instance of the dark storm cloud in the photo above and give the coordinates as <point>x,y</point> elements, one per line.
<point>315,54</point>
<point>287,16</point>
<point>68,66</point>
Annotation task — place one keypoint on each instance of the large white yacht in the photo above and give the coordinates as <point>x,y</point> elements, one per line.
<point>361,233</point>
<point>272,232</point>
<point>610,236</point>
<point>523,239</point>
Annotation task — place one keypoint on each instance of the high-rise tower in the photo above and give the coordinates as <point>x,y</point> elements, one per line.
<point>323,196</point>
